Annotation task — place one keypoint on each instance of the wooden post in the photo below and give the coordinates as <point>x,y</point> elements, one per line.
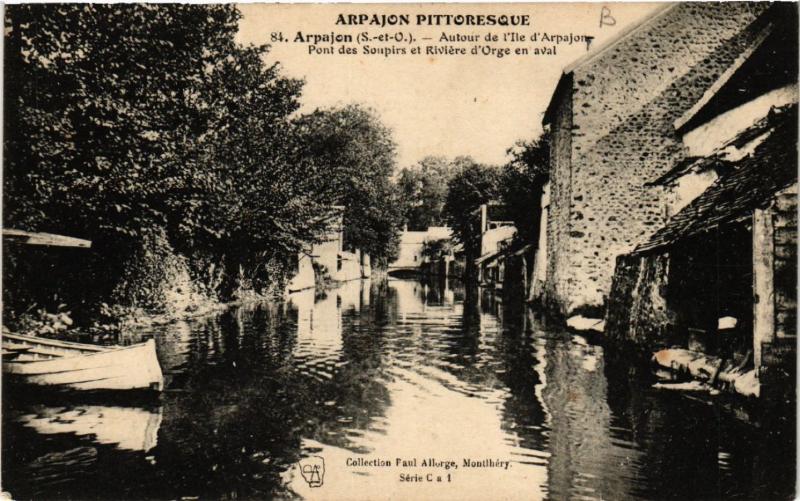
<point>763,283</point>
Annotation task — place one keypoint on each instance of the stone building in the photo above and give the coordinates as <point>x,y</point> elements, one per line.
<point>717,283</point>
<point>411,250</point>
<point>612,125</point>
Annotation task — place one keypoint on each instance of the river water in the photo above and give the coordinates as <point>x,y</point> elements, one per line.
<point>380,372</point>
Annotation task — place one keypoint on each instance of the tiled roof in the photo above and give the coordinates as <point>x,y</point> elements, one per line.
<point>752,181</point>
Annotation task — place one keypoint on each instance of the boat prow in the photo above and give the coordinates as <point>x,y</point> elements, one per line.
<point>79,366</point>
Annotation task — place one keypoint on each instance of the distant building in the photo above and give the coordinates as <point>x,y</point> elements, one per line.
<point>330,257</point>
<point>612,125</point>
<point>411,256</point>
<point>497,235</point>
<point>303,277</point>
<point>327,253</point>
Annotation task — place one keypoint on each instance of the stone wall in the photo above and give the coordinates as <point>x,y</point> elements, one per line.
<point>638,312</point>
<point>613,131</point>
<point>558,238</point>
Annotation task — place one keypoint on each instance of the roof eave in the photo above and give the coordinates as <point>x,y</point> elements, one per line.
<point>563,82</point>
<point>619,37</point>
<point>682,124</point>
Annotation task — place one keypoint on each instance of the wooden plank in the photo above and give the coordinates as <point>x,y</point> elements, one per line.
<point>47,239</point>
<point>763,282</point>
<point>40,341</point>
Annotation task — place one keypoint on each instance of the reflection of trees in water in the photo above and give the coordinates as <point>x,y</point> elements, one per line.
<point>246,406</point>
<point>250,385</point>
<point>356,392</point>
<point>234,425</point>
<point>606,435</point>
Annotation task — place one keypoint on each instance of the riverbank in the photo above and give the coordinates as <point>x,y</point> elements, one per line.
<point>730,385</point>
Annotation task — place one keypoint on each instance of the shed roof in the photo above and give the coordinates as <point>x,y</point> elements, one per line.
<point>751,182</point>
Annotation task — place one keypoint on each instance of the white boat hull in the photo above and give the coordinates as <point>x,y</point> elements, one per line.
<point>85,367</point>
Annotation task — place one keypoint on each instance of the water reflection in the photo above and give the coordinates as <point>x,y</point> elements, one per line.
<point>384,370</point>
<point>129,428</point>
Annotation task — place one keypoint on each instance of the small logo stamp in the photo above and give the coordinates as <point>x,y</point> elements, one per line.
<point>313,470</point>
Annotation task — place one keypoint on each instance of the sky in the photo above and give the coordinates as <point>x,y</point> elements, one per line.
<point>438,105</point>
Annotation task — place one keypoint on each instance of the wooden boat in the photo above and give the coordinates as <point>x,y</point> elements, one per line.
<point>79,366</point>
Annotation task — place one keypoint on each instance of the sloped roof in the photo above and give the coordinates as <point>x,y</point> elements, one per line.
<point>488,257</point>
<point>620,37</point>
<point>565,80</point>
<point>413,237</point>
<point>768,63</point>
<point>439,232</point>
<point>723,158</point>
<point>752,181</point>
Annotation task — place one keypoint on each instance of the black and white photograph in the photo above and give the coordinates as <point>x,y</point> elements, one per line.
<point>410,251</point>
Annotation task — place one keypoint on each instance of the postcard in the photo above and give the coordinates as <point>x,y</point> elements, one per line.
<point>473,251</point>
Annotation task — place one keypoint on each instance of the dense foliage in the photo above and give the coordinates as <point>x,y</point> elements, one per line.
<point>423,189</point>
<point>148,129</point>
<point>523,178</point>
<point>354,156</point>
<point>472,184</point>
<point>514,189</point>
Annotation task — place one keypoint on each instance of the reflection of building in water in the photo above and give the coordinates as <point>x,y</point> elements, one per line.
<point>448,295</point>
<point>319,323</point>
<point>319,318</point>
<point>581,447</point>
<point>350,294</point>
<point>409,295</point>
<point>130,428</point>
<point>366,290</point>
<point>414,298</point>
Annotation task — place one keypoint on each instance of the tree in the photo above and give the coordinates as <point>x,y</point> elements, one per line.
<point>126,125</point>
<point>472,184</point>
<point>423,189</point>
<point>354,156</point>
<point>523,178</point>
<point>100,116</point>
